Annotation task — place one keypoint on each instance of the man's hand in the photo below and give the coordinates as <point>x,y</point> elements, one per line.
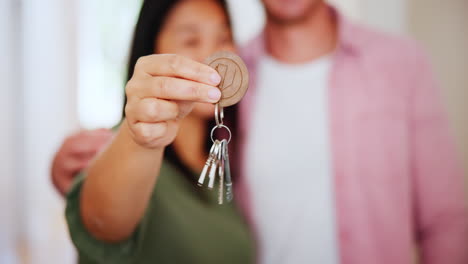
<point>75,154</point>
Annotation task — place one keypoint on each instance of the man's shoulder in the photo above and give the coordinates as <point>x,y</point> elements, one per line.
<point>400,60</point>
<point>386,47</point>
<point>379,49</point>
<point>366,40</point>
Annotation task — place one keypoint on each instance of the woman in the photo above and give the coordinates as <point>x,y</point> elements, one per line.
<point>139,202</point>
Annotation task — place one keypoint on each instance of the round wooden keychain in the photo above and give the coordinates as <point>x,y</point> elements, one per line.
<point>234,76</point>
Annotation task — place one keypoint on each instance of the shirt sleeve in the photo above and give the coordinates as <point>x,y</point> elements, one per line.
<point>91,248</point>
<point>441,209</point>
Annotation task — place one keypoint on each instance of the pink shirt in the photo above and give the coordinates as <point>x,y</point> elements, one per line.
<point>396,172</point>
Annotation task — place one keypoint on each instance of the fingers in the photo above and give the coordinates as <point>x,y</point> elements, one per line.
<point>152,110</point>
<point>151,135</point>
<point>162,90</point>
<point>177,66</point>
<point>185,108</point>
<point>173,89</point>
<point>62,184</point>
<point>86,143</point>
<point>65,167</point>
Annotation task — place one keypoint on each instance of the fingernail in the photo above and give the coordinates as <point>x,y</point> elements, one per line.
<point>215,78</point>
<point>214,94</point>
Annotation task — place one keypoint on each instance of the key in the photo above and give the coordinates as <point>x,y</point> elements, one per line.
<point>221,173</point>
<point>201,180</point>
<point>214,165</point>
<point>227,177</point>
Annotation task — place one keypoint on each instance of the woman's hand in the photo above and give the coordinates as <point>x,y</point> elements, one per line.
<point>162,90</point>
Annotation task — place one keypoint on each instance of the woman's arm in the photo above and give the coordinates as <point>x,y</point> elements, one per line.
<point>118,187</point>
<point>120,181</point>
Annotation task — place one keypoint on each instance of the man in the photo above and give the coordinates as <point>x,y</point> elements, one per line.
<point>346,155</point>
<point>353,123</point>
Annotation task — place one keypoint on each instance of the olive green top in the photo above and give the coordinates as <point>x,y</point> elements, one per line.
<point>183,224</point>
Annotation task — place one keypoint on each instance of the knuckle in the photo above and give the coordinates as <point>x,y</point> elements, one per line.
<point>68,141</point>
<point>195,92</point>
<point>176,111</point>
<point>144,133</point>
<point>130,87</point>
<point>147,134</point>
<point>174,62</point>
<point>128,111</point>
<point>141,62</point>
<point>199,70</point>
<point>163,86</point>
<point>153,110</point>
<point>161,129</point>
<point>186,108</point>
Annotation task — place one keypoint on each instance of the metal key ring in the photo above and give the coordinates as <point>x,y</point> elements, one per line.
<point>219,115</point>
<point>221,126</point>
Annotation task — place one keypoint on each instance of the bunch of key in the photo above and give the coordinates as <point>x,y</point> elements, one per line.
<point>217,166</point>
<point>233,86</point>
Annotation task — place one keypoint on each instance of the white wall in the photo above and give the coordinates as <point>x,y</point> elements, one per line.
<point>48,71</point>
<point>8,120</point>
<point>104,33</point>
<point>247,19</point>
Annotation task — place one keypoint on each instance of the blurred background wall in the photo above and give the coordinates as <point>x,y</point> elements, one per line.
<point>442,27</point>
<point>61,69</point>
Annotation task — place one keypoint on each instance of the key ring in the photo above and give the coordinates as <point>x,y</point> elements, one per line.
<point>219,115</point>
<point>221,126</point>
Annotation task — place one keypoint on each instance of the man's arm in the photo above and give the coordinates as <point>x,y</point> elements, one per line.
<point>440,201</point>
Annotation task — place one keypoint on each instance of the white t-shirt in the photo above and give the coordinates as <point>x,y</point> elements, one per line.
<point>288,164</point>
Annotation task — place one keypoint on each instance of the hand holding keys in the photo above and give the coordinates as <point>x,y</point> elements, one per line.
<point>233,86</point>
<point>163,90</point>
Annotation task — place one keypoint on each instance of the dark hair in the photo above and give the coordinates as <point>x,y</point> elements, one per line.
<point>152,16</point>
